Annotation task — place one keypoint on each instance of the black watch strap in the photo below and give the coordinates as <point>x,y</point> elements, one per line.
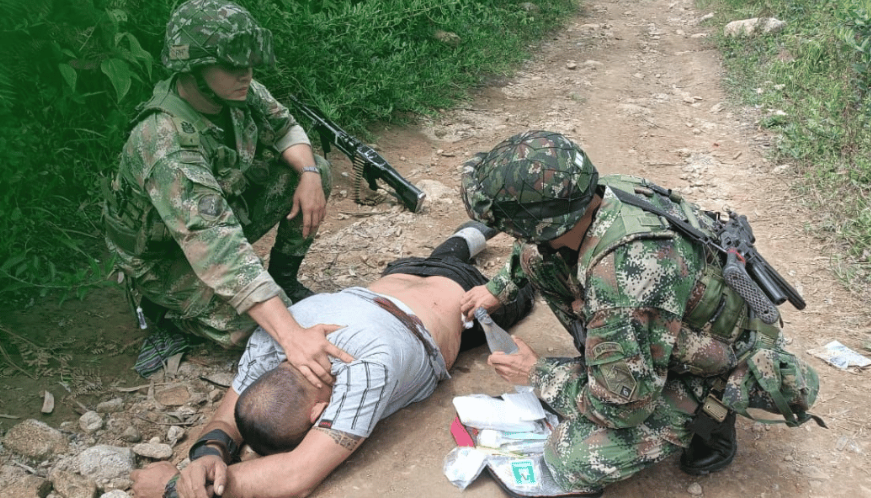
<point>216,436</point>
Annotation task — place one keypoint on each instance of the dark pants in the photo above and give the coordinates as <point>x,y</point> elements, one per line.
<point>451,259</point>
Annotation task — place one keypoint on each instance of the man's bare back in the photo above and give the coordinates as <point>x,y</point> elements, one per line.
<point>435,300</point>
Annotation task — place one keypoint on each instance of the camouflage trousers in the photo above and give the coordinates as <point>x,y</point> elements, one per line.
<point>190,304</point>
<point>585,456</point>
<point>581,454</point>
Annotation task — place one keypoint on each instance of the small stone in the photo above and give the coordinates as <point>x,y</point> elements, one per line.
<point>115,493</point>
<point>72,485</point>
<point>91,422</point>
<point>695,489</point>
<point>112,406</point>
<point>15,481</point>
<point>446,37</point>
<point>155,451</point>
<point>102,463</point>
<point>216,394</point>
<point>131,435</point>
<point>571,65</point>
<point>529,7</point>
<point>174,434</point>
<point>758,428</point>
<point>174,396</point>
<point>788,458</point>
<point>35,439</point>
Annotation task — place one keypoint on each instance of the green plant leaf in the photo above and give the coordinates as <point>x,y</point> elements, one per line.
<point>119,74</point>
<point>9,263</point>
<point>69,74</point>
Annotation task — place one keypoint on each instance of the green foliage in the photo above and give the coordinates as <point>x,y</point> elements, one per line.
<point>67,73</point>
<point>811,83</point>
<point>72,72</point>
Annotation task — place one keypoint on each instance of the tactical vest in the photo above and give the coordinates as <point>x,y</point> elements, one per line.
<point>130,221</point>
<point>717,330</point>
<point>719,339</point>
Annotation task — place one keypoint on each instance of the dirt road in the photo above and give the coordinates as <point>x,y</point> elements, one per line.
<point>636,83</point>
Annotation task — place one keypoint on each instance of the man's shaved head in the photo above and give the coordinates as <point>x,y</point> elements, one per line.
<point>273,413</point>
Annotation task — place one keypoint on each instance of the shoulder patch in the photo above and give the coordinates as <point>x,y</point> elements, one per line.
<point>210,206</point>
<point>187,133</point>
<point>605,348</point>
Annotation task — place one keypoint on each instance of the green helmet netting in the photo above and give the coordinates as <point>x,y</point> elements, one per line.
<point>534,186</point>
<point>203,32</point>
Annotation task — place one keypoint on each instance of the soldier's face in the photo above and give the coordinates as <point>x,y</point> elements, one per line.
<point>228,82</point>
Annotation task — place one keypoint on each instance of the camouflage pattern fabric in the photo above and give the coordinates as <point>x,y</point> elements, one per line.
<point>584,456</point>
<point>534,186</point>
<point>203,32</point>
<point>628,287</point>
<point>183,209</point>
<point>775,381</point>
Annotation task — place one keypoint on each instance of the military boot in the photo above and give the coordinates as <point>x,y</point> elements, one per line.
<point>284,270</point>
<point>714,453</point>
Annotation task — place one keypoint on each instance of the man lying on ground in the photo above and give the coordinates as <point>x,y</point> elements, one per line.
<point>404,331</point>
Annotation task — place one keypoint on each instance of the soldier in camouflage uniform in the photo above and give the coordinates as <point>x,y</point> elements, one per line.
<point>657,329</point>
<point>213,163</point>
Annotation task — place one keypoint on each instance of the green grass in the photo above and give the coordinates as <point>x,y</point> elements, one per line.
<point>816,72</point>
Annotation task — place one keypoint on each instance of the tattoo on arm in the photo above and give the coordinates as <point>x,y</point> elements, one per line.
<point>343,439</point>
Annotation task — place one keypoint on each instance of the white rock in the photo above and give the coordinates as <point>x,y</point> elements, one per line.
<point>695,489</point>
<point>750,27</point>
<point>91,422</point>
<point>104,463</point>
<point>158,451</point>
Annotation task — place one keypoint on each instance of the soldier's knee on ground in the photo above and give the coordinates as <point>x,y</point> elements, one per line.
<point>575,461</point>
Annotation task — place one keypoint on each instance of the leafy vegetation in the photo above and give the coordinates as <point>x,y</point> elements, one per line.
<point>811,83</point>
<point>73,71</point>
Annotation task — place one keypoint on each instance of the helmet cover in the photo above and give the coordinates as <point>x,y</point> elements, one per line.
<point>535,186</point>
<point>204,32</point>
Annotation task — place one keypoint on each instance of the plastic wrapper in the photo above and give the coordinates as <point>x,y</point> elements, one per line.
<point>463,465</point>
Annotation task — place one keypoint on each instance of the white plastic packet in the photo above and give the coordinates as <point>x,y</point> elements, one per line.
<point>463,465</point>
<point>485,412</point>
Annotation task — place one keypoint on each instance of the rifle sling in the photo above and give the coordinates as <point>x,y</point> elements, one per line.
<point>676,222</point>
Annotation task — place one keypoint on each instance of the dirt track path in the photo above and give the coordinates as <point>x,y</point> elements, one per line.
<point>637,85</point>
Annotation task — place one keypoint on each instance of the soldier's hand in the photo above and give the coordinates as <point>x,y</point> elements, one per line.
<point>516,367</point>
<point>309,350</point>
<point>478,297</point>
<point>202,478</point>
<point>309,202</point>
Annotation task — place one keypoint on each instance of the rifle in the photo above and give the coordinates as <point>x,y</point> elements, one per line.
<point>765,289</point>
<point>368,164</point>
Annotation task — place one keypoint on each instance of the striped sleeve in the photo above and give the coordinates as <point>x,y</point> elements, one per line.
<point>359,398</point>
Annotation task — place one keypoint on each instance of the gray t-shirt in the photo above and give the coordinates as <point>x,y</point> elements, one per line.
<point>391,367</point>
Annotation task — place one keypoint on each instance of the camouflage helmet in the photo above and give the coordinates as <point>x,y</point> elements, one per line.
<point>203,32</point>
<point>534,186</point>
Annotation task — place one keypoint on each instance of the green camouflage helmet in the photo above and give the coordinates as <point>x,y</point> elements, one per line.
<point>534,186</point>
<point>203,32</point>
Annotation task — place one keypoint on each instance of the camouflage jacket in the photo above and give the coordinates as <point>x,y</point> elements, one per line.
<point>173,196</point>
<point>625,296</point>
